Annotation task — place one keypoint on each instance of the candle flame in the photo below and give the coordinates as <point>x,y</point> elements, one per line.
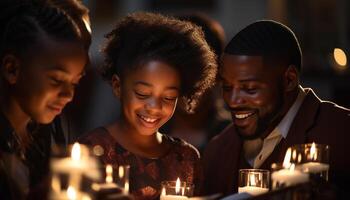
<point>126,187</point>
<point>71,193</point>
<point>163,192</point>
<point>177,186</point>
<point>109,174</point>
<point>252,180</point>
<point>299,157</point>
<point>75,154</point>
<point>121,172</point>
<point>55,184</point>
<point>313,151</point>
<point>286,161</point>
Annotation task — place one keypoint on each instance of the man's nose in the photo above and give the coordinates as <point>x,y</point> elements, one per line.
<point>236,98</point>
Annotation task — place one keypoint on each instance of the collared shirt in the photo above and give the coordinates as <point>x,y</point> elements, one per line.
<point>281,131</point>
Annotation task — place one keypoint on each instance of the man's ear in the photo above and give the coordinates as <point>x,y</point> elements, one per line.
<point>291,78</point>
<point>10,67</point>
<point>116,85</point>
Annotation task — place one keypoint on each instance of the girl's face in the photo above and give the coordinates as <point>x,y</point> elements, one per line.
<point>148,96</point>
<point>47,77</point>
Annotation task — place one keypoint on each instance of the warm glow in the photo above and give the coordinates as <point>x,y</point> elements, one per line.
<point>85,197</point>
<point>71,193</point>
<point>126,187</point>
<point>55,184</point>
<point>177,186</point>
<point>286,161</point>
<point>109,174</point>
<point>313,152</point>
<point>76,152</point>
<point>299,157</point>
<point>163,192</point>
<point>292,167</point>
<point>121,172</point>
<point>252,180</point>
<point>340,57</point>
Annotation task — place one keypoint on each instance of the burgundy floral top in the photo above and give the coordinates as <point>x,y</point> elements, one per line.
<point>146,174</point>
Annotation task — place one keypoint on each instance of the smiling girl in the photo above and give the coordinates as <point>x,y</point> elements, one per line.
<point>153,61</point>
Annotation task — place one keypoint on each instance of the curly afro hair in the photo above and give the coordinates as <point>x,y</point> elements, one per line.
<point>143,37</point>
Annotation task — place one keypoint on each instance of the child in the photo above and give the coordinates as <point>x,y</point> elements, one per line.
<point>42,59</point>
<point>151,62</point>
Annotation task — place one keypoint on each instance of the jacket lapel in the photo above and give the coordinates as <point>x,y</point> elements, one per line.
<point>304,119</point>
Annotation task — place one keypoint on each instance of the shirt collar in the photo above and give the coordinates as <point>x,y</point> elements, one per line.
<point>283,127</point>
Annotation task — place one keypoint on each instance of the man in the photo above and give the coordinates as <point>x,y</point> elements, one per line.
<point>270,110</point>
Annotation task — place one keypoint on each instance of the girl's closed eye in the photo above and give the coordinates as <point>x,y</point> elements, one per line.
<point>170,98</point>
<point>56,81</point>
<point>142,95</point>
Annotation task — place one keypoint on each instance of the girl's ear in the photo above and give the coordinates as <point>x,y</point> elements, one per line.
<point>291,78</point>
<point>10,67</point>
<point>116,85</point>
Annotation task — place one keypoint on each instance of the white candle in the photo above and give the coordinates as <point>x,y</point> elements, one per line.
<point>76,164</point>
<point>179,192</point>
<point>289,177</point>
<point>173,197</point>
<point>314,167</point>
<point>253,190</point>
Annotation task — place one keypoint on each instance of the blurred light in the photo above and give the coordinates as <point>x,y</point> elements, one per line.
<point>340,57</point>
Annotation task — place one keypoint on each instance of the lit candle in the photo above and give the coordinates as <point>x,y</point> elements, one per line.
<point>313,166</point>
<point>251,187</point>
<point>76,165</point>
<point>108,185</point>
<point>179,192</point>
<point>288,175</point>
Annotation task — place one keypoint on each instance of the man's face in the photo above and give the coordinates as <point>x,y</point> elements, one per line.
<point>253,92</point>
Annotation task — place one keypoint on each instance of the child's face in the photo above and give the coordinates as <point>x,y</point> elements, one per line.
<point>47,78</point>
<point>148,96</point>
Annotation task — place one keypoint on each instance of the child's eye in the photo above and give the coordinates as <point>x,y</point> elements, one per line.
<point>56,81</point>
<point>170,98</point>
<point>141,95</point>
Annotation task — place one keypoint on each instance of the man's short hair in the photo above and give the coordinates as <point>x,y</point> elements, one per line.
<point>269,39</point>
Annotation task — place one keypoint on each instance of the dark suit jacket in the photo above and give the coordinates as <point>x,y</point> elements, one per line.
<point>316,121</point>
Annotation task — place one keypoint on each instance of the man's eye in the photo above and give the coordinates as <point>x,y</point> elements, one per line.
<point>251,90</point>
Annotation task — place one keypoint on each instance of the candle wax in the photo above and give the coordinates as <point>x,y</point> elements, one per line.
<point>289,177</point>
<point>315,167</point>
<point>173,197</point>
<point>253,190</point>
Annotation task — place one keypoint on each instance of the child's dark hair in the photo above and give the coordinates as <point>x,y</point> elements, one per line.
<point>79,13</point>
<point>270,39</point>
<point>142,37</point>
<point>21,22</point>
